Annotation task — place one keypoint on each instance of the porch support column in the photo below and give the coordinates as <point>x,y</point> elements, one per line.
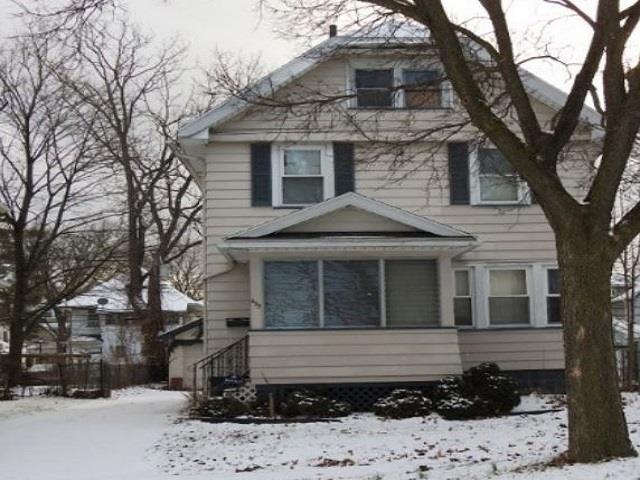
<point>256,275</point>
<point>447,289</point>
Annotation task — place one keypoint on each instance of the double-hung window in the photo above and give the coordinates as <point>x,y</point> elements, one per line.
<point>351,293</point>
<point>496,181</point>
<point>463,299</point>
<point>553,297</point>
<point>374,88</point>
<point>422,89</point>
<point>303,176</point>
<point>509,297</point>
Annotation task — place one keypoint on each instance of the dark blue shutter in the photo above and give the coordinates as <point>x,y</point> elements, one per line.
<point>260,174</point>
<point>459,173</point>
<point>344,171</point>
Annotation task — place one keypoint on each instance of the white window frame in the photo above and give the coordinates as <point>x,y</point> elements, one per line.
<point>530,295</point>
<point>397,96</point>
<point>548,295</point>
<point>277,171</point>
<point>471,296</point>
<point>524,194</point>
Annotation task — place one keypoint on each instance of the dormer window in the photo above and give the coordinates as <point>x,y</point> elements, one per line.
<point>374,88</point>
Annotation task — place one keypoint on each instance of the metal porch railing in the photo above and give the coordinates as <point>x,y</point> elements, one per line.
<point>230,361</point>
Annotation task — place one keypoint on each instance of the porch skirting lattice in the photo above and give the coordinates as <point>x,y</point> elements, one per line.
<point>363,395</point>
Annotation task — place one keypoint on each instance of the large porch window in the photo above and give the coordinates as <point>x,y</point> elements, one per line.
<point>351,293</point>
<point>291,294</point>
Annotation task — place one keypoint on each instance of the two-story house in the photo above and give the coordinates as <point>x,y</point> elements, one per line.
<point>333,261</point>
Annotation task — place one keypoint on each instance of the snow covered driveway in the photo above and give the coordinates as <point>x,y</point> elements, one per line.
<point>65,439</point>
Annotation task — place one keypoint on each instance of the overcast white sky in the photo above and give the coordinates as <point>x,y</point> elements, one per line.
<point>236,25</point>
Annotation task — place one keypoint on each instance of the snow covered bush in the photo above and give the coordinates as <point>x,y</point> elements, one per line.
<point>499,392</point>
<point>218,407</point>
<point>403,404</point>
<point>482,391</point>
<point>306,404</point>
<point>457,407</point>
<point>445,389</point>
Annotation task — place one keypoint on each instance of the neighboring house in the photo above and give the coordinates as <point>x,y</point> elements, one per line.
<point>619,298</point>
<point>6,280</point>
<point>101,321</point>
<point>185,349</point>
<point>337,268</point>
<point>619,308</point>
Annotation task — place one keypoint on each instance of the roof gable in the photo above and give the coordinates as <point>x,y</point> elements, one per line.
<point>372,211</point>
<point>198,128</point>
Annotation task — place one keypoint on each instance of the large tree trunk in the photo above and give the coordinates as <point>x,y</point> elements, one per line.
<point>154,349</point>
<point>597,426</point>
<point>14,359</point>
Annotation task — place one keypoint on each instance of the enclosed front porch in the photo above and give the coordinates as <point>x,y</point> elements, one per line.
<point>348,291</point>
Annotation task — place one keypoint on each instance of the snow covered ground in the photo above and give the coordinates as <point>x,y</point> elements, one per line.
<point>136,436</point>
<point>64,439</point>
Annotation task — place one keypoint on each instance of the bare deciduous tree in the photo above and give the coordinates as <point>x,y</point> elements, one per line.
<point>132,106</point>
<point>48,175</point>
<point>186,274</point>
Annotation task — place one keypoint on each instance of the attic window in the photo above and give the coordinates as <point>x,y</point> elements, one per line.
<point>422,89</point>
<point>379,85</point>
<point>374,88</point>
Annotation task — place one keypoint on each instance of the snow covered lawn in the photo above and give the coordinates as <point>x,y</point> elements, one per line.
<point>136,436</point>
<point>363,447</point>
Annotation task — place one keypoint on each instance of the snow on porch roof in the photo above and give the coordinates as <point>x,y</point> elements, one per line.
<point>358,201</point>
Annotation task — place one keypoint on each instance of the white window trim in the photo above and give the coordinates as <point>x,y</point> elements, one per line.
<point>524,194</point>
<point>398,101</point>
<point>548,295</point>
<point>530,295</point>
<point>277,171</point>
<point>536,287</point>
<point>472,296</point>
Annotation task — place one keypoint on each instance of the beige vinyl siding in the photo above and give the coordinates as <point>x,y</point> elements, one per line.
<point>514,349</point>
<point>344,356</point>
<point>505,233</point>
<point>330,79</point>
<point>419,184</point>
<point>350,219</point>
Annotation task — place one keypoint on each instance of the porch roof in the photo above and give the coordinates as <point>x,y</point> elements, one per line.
<point>404,231</point>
